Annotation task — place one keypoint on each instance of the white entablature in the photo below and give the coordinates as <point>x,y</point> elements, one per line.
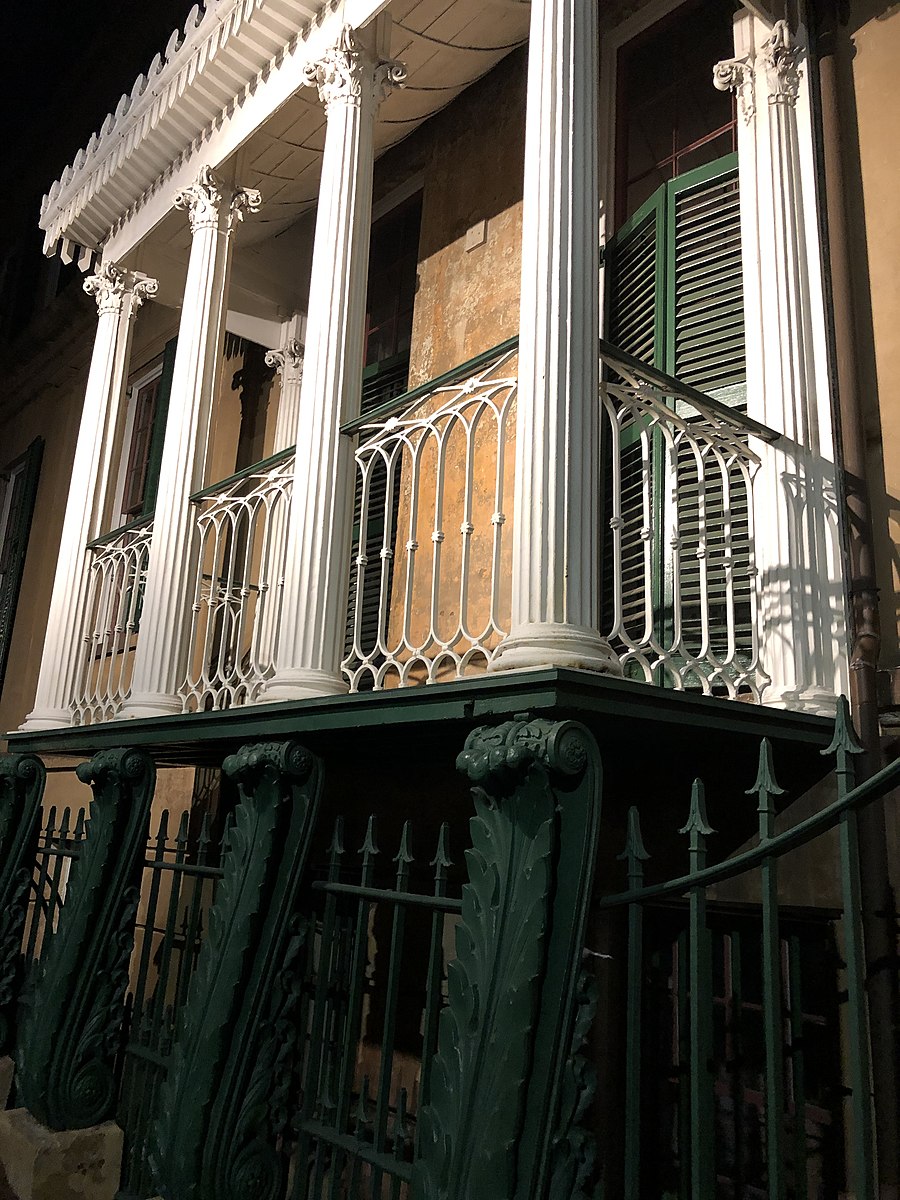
<point>236,65</point>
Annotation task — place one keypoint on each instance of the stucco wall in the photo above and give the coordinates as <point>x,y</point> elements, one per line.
<point>872,114</point>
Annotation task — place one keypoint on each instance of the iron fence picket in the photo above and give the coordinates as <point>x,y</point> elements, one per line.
<point>164,959</point>
<point>356,1128</point>
<point>774,1024</point>
<point>57,845</point>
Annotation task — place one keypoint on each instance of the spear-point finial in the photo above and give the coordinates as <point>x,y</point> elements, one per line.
<point>369,847</point>
<point>336,848</point>
<point>844,739</point>
<point>442,858</point>
<point>634,853</point>
<point>404,854</point>
<point>766,784</point>
<point>697,824</point>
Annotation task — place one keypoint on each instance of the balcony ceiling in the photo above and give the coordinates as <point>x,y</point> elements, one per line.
<point>446,45</point>
<point>229,86</point>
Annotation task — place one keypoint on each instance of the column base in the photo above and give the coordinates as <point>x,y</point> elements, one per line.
<point>302,684</point>
<point>818,702</point>
<point>46,718</point>
<point>48,1164</point>
<point>547,644</point>
<point>150,704</point>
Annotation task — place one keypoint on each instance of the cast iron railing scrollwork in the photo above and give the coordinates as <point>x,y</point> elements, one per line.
<point>220,1110</point>
<point>497,1110</point>
<point>73,1005</point>
<point>22,779</point>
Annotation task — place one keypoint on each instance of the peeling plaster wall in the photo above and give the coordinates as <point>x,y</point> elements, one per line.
<point>471,156</point>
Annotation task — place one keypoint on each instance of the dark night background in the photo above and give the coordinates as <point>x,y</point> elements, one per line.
<point>67,62</point>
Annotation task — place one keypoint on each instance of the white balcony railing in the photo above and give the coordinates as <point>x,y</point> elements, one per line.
<point>241,524</point>
<point>116,576</point>
<point>430,593</point>
<point>431,570</point>
<point>429,596</point>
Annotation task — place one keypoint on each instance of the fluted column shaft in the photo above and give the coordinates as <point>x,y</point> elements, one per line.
<point>555,584</point>
<point>119,294</point>
<point>351,79</point>
<point>802,614</point>
<point>288,361</point>
<point>160,657</point>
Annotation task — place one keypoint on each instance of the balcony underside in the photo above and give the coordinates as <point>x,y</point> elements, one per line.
<point>652,740</point>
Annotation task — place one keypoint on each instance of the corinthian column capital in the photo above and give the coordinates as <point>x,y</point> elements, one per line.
<point>347,70</point>
<point>207,200</point>
<point>110,284</point>
<point>107,287</point>
<point>290,355</point>
<point>736,75</point>
<point>781,58</point>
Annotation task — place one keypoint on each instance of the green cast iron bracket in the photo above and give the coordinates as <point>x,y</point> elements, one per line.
<point>22,779</point>
<point>500,1119</point>
<point>222,1106</point>
<point>73,1004</point>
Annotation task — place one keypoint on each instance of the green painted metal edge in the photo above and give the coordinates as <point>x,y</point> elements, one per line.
<point>138,523</point>
<point>549,690</point>
<point>264,464</point>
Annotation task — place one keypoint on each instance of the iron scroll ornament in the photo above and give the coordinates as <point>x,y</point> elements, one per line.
<point>217,1120</point>
<point>73,1005</point>
<point>22,780</point>
<point>497,1085</point>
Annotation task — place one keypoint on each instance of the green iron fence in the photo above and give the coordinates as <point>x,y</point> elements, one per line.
<point>180,874</point>
<point>374,984</point>
<point>57,847</point>
<point>747,1069</point>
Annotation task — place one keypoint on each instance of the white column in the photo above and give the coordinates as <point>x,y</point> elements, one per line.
<point>119,294</point>
<point>288,361</point>
<point>555,584</point>
<point>352,79</point>
<point>159,667</point>
<point>802,615</point>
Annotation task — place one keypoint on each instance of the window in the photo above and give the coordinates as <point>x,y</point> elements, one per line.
<point>393,259</point>
<point>145,427</point>
<point>18,489</point>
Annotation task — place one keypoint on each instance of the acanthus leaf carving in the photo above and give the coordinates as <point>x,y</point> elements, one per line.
<point>342,73</point>
<point>289,355</point>
<point>205,199</point>
<point>781,57</point>
<point>74,1001</point>
<point>110,284</point>
<point>107,286</point>
<point>736,75</point>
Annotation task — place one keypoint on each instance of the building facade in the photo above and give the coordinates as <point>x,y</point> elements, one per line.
<point>475,393</point>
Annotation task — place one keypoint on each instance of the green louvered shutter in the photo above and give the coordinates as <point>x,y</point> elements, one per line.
<point>18,492</point>
<point>635,272</point>
<point>705,347</point>
<point>675,300</point>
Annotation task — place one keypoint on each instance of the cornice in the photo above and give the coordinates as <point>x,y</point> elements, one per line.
<point>230,45</point>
